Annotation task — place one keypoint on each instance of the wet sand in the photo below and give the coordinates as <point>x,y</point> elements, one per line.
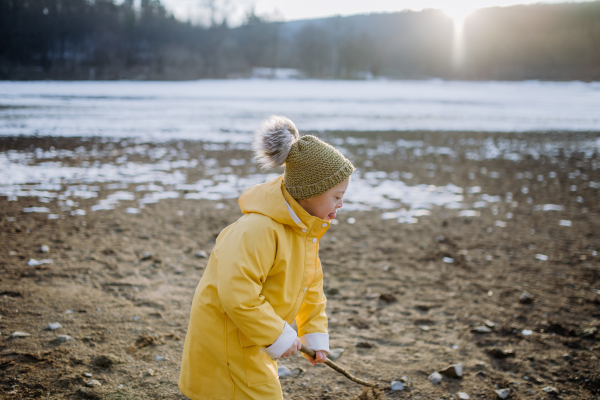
<point>404,299</point>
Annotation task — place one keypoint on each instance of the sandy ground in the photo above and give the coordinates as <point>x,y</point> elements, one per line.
<point>405,300</point>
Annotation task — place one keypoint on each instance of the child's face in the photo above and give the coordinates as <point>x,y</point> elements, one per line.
<point>325,205</point>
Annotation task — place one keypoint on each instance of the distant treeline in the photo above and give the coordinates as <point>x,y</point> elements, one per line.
<point>99,39</point>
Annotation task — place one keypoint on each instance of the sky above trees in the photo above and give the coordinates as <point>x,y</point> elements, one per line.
<point>198,11</point>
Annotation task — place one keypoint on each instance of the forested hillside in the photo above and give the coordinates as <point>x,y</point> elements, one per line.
<point>84,39</point>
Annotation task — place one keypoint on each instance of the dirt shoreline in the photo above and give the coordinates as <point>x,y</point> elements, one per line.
<point>404,300</point>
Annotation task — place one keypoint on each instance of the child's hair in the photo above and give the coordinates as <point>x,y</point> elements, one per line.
<point>273,141</point>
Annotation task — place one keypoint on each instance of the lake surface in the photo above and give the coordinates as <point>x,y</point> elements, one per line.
<point>230,110</point>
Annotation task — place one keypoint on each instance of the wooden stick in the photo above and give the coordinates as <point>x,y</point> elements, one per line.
<point>332,365</point>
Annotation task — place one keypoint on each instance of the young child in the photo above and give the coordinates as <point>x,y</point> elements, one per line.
<point>265,271</point>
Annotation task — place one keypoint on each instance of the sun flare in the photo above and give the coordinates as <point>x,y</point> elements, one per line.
<point>458,12</point>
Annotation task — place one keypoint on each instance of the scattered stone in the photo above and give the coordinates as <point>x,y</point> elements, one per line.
<point>44,248</point>
<point>119,387</point>
<point>490,324</point>
<point>87,375</point>
<point>335,354</point>
<point>424,328</point>
<point>463,396</point>
<point>69,312</point>
<point>201,254</point>
<point>481,329</point>
<point>503,393</point>
<point>159,358</point>
<point>87,394</point>
<point>16,335</point>
<point>149,372</point>
<point>526,298</point>
<point>53,326</point>
<point>296,372</point>
<point>63,338</point>
<point>526,332</point>
<point>404,379</point>
<point>397,386</point>
<point>453,371</point>
<point>551,390</point>
<point>387,298</point>
<point>589,333</point>
<point>147,256</point>
<point>435,378</point>
<point>332,291</point>
<point>93,383</point>
<point>107,360</point>
<point>363,345</point>
<point>499,353</point>
<point>283,371</point>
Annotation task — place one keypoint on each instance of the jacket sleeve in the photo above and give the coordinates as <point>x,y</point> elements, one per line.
<point>245,257</point>
<point>311,319</point>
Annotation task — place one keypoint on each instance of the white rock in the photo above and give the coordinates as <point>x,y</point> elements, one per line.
<point>284,371</point>
<point>63,338</point>
<point>435,378</point>
<point>44,248</point>
<point>16,335</point>
<point>541,257</point>
<point>551,389</point>
<point>87,375</point>
<point>53,326</point>
<point>159,358</point>
<point>201,254</point>
<point>463,396</point>
<point>34,262</point>
<point>564,222</point>
<point>397,385</point>
<point>453,371</point>
<point>93,383</point>
<point>526,332</point>
<point>482,329</point>
<point>335,354</point>
<point>448,260</point>
<point>503,393</point>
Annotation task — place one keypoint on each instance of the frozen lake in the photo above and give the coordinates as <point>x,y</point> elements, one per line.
<point>229,110</point>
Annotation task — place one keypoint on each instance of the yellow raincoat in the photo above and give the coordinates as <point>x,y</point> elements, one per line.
<point>263,273</point>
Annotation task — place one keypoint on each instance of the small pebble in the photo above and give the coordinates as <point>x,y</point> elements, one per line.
<point>526,298</point>
<point>149,372</point>
<point>284,371</point>
<point>44,248</point>
<point>16,335</point>
<point>159,358</point>
<point>335,354</point>
<point>435,378</point>
<point>503,393</point>
<point>463,396</point>
<point>482,329</point>
<point>119,387</point>
<point>526,332</point>
<point>551,390</point>
<point>201,254</point>
<point>53,326</point>
<point>93,383</point>
<point>296,372</point>
<point>397,385</point>
<point>87,375</point>
<point>453,371</point>
<point>63,338</point>
<point>69,312</point>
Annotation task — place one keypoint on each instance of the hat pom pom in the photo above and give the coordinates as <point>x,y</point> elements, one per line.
<point>273,141</point>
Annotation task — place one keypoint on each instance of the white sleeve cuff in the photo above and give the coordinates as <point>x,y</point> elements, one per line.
<point>283,342</point>
<point>316,341</point>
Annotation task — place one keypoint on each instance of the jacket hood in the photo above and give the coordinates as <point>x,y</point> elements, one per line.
<point>272,199</point>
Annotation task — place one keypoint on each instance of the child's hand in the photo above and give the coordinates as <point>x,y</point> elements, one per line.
<point>321,357</point>
<point>294,348</point>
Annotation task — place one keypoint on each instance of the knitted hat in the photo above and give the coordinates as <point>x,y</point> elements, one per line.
<point>312,166</point>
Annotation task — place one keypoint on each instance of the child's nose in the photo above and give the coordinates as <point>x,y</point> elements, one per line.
<point>340,204</point>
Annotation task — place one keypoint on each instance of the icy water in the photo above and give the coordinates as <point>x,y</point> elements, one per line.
<point>229,110</point>
<point>136,172</point>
